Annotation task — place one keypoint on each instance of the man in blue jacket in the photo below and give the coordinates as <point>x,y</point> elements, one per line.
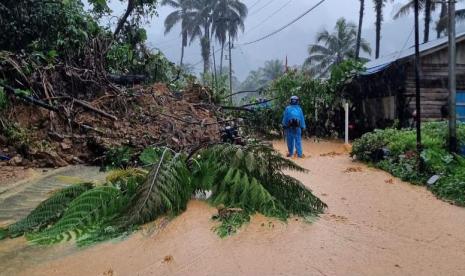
<point>293,124</point>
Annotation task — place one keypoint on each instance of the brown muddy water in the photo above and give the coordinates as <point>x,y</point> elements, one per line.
<point>18,198</point>
<point>375,225</point>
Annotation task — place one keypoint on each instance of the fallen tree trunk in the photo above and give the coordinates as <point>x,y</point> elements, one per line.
<point>29,99</point>
<point>126,79</point>
<point>94,109</point>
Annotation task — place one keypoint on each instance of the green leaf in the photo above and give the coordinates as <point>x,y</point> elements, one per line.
<point>150,156</point>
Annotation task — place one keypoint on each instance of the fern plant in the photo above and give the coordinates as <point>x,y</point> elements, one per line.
<point>166,190</point>
<point>49,211</point>
<point>257,170</point>
<point>230,221</point>
<point>86,214</point>
<point>249,178</point>
<point>127,180</point>
<point>239,190</point>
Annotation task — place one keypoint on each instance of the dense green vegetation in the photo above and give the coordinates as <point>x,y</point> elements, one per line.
<point>395,151</point>
<point>321,101</point>
<point>62,49</point>
<point>247,178</point>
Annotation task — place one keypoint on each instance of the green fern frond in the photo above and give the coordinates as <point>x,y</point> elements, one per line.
<point>127,180</point>
<point>257,171</point>
<point>255,158</point>
<point>240,190</point>
<point>292,194</point>
<point>49,211</point>
<point>204,173</point>
<point>3,233</point>
<point>119,174</point>
<point>230,223</point>
<point>86,214</point>
<point>166,190</point>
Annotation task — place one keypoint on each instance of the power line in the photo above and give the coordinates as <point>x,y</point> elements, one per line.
<point>200,61</point>
<point>406,42</point>
<point>270,16</point>
<point>254,4</point>
<point>285,26</point>
<point>263,7</point>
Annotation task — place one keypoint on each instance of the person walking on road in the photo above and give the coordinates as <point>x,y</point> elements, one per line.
<point>294,124</point>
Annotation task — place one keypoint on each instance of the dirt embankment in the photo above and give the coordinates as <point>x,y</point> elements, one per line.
<point>84,130</point>
<point>375,225</point>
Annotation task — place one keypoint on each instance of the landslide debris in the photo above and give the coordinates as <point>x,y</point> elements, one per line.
<point>83,130</point>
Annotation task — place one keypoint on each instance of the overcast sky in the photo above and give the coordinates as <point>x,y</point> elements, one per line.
<point>292,42</point>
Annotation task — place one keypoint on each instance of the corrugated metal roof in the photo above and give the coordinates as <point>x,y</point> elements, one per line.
<point>383,62</point>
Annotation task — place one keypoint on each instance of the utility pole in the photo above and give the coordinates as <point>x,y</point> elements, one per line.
<point>230,69</point>
<point>417,85</point>
<point>452,79</point>
<point>359,33</point>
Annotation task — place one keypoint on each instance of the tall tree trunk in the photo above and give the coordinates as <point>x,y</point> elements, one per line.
<point>379,20</point>
<point>184,43</point>
<point>205,44</point>
<point>442,15</point>
<point>124,18</point>
<point>428,5</point>
<point>359,33</point>
<point>182,56</point>
<point>222,57</point>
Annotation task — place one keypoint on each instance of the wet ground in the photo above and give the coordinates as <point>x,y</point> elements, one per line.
<point>18,198</point>
<point>375,225</point>
<point>20,193</point>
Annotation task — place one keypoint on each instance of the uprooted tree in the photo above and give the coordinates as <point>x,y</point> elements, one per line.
<point>245,179</point>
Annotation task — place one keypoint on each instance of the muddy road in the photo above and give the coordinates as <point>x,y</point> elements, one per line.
<point>375,225</point>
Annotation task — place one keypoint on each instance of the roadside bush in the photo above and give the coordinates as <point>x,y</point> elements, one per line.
<point>365,147</point>
<point>452,186</point>
<point>394,151</point>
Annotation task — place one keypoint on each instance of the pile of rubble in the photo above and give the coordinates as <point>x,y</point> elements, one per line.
<point>82,131</point>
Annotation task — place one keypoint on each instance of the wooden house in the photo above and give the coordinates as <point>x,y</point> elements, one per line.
<point>385,91</point>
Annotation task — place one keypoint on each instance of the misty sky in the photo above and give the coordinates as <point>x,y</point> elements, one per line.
<point>292,42</point>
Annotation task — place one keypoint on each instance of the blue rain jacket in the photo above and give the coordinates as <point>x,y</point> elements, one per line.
<point>294,112</point>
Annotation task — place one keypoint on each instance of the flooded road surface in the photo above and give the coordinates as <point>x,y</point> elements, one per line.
<point>375,225</point>
<point>19,198</point>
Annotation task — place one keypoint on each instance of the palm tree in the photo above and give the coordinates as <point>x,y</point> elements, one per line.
<point>202,13</point>
<point>254,80</point>
<point>184,15</point>
<point>379,5</point>
<point>443,22</point>
<point>228,19</point>
<point>359,33</point>
<point>333,48</point>
<point>428,7</point>
<point>273,69</point>
<point>443,14</point>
